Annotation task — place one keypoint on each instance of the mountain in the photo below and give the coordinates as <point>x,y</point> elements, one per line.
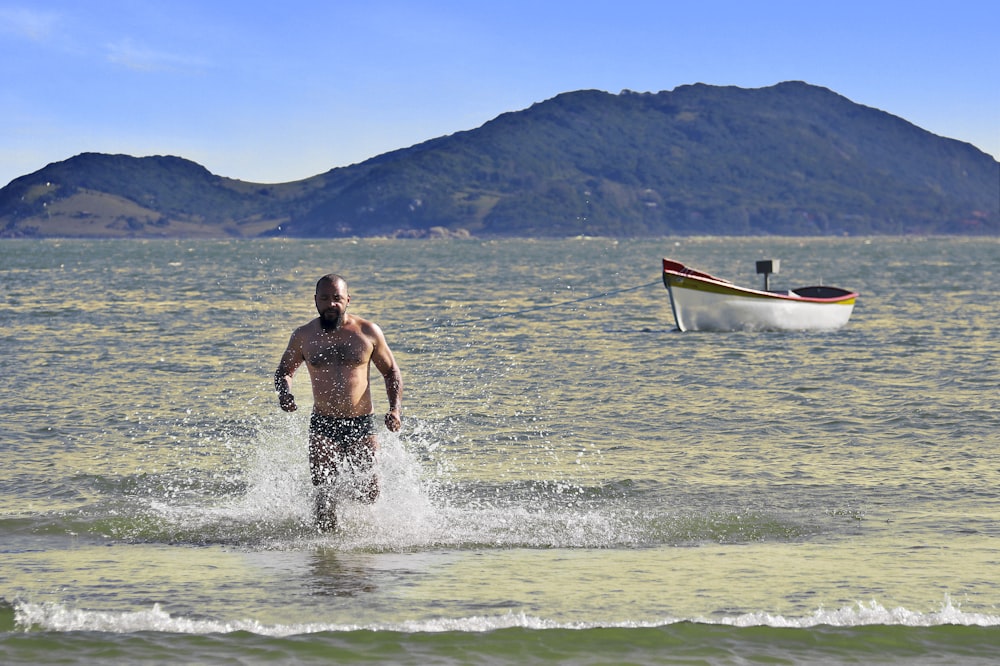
<point>790,159</point>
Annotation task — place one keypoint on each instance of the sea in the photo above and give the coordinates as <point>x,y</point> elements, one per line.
<point>575,482</point>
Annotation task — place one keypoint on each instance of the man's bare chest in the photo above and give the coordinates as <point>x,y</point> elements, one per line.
<point>326,351</point>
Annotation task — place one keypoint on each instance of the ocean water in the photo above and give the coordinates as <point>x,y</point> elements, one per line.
<point>575,482</point>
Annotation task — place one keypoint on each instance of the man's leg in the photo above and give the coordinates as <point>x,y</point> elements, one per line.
<point>326,508</point>
<point>365,472</point>
<point>323,469</point>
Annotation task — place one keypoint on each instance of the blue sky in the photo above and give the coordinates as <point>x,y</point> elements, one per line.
<point>265,93</point>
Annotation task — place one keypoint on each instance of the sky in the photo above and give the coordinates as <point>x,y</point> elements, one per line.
<point>267,93</point>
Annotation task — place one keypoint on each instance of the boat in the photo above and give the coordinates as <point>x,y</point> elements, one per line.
<point>702,302</point>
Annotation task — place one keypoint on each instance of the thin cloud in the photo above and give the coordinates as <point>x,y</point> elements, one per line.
<point>127,53</point>
<point>31,24</point>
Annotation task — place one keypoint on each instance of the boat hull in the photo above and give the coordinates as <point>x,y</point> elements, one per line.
<point>701,302</point>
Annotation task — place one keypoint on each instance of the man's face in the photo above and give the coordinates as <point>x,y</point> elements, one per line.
<point>331,304</point>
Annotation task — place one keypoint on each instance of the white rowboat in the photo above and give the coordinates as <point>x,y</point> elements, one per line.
<point>701,302</point>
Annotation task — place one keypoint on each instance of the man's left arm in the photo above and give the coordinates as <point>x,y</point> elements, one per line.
<point>394,391</point>
<point>385,362</point>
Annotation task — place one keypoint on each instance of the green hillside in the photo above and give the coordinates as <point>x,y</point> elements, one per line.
<point>791,159</point>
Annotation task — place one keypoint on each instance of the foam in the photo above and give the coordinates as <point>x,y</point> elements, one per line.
<point>59,617</point>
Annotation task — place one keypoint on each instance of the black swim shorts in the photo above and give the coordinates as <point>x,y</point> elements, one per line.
<point>341,446</point>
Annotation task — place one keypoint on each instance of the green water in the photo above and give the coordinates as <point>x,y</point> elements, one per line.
<point>575,480</point>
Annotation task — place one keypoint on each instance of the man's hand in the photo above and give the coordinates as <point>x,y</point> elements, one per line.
<point>393,421</point>
<point>287,402</point>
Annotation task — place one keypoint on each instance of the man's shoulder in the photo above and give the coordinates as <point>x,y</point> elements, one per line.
<point>359,322</point>
<point>310,328</point>
<point>366,326</point>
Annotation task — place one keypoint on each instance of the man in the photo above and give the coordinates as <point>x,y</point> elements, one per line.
<point>338,348</point>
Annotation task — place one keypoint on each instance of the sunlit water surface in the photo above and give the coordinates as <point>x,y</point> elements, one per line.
<point>570,463</point>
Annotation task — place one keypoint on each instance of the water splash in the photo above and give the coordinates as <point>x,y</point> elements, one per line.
<point>264,500</point>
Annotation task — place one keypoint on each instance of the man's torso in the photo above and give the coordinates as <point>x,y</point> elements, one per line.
<point>338,363</point>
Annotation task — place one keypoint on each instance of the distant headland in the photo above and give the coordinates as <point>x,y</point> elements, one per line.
<point>792,159</point>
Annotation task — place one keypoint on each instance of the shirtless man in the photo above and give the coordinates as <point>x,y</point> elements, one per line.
<point>338,349</point>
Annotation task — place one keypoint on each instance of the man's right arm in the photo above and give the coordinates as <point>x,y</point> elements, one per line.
<point>290,361</point>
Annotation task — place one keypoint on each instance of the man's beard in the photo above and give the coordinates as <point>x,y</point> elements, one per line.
<point>331,320</point>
